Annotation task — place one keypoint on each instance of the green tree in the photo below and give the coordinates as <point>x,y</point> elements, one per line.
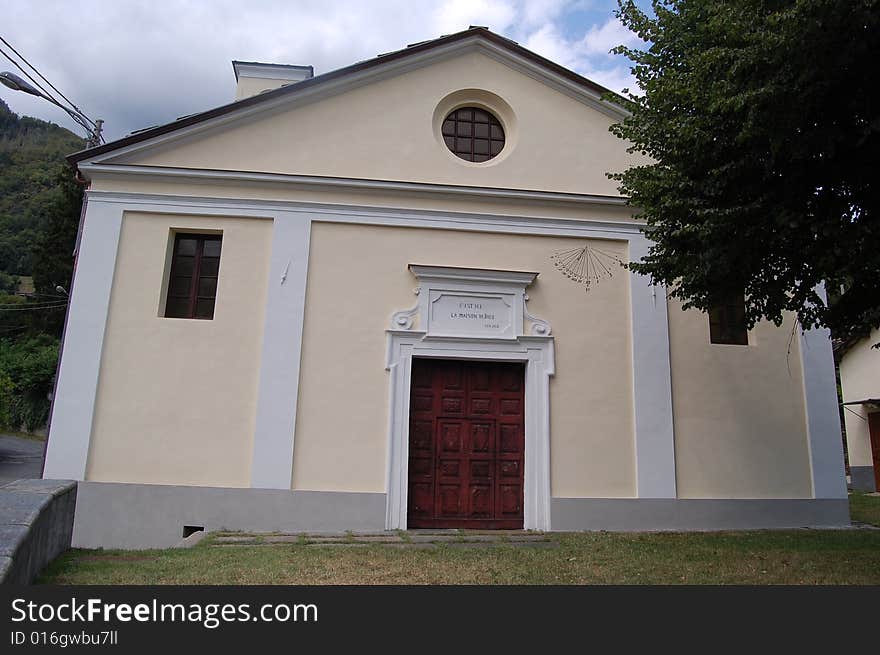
<point>52,252</point>
<point>760,123</point>
<point>8,283</point>
<point>30,153</point>
<point>27,372</point>
<point>39,212</point>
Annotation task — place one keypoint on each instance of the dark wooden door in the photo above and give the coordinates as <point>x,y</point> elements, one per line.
<point>466,442</point>
<point>874,430</point>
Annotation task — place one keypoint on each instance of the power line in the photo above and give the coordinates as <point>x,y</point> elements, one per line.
<point>30,77</point>
<point>47,295</point>
<point>92,128</point>
<point>34,309</point>
<point>43,77</point>
<point>14,328</point>
<point>35,305</point>
<point>31,304</point>
<point>81,121</point>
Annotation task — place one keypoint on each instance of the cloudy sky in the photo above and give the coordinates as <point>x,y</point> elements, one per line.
<point>139,63</point>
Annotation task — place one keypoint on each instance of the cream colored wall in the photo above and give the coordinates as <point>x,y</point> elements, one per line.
<point>384,131</point>
<point>358,276</point>
<point>176,398</point>
<point>740,426</point>
<point>860,379</point>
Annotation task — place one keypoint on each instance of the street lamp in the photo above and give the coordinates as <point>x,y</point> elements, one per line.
<point>93,128</point>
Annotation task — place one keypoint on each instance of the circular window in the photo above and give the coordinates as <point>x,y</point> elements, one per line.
<point>473,134</point>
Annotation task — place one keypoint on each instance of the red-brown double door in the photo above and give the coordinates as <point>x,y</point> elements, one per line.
<point>466,442</point>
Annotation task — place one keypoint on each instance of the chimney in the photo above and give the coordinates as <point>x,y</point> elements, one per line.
<point>253,77</point>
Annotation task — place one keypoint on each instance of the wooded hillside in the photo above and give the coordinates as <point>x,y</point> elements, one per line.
<point>39,211</point>
<point>31,153</point>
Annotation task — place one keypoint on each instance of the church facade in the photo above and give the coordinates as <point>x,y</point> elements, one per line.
<point>393,296</point>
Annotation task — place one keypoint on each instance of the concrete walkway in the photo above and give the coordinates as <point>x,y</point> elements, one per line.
<point>20,458</point>
<point>411,539</point>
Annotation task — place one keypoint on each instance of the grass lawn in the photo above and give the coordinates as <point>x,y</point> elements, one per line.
<point>760,557</point>
<point>864,508</point>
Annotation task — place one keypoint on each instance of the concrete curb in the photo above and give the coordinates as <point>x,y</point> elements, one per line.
<point>36,525</point>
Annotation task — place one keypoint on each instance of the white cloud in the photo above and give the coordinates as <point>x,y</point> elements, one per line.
<point>456,15</point>
<point>600,39</point>
<point>547,42</point>
<point>588,55</point>
<point>616,78</point>
<point>539,12</point>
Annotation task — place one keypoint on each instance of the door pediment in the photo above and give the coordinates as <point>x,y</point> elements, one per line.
<point>469,303</point>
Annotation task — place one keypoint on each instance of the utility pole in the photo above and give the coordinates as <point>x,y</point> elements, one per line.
<point>95,135</point>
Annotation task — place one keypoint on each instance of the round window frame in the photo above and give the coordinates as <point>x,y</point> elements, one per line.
<point>478,99</point>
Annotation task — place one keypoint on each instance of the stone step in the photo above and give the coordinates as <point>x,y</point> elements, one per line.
<point>235,539</point>
<point>409,538</point>
<point>367,539</point>
<point>399,545</point>
<point>465,545</point>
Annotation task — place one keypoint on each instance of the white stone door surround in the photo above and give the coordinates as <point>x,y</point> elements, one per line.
<point>490,327</point>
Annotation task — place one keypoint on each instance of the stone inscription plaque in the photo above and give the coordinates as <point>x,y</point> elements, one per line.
<point>471,315</point>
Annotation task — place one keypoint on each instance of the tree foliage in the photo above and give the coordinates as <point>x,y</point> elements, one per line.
<point>39,212</point>
<point>31,154</point>
<point>760,123</point>
<point>27,373</point>
<point>52,250</point>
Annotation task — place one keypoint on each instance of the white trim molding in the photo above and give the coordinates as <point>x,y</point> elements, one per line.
<point>652,383</point>
<point>539,356</point>
<point>272,461</point>
<point>73,408</point>
<point>373,215</point>
<point>497,335</point>
<point>327,183</point>
<point>822,413</point>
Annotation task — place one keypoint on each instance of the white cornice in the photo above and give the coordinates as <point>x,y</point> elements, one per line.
<point>373,214</point>
<point>347,184</point>
<point>520,279</point>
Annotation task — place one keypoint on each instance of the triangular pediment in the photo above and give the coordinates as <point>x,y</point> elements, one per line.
<point>385,121</point>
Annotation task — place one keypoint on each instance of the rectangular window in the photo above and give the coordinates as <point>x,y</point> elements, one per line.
<point>192,282</point>
<point>727,323</point>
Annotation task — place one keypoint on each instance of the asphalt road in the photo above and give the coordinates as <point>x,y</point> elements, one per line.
<point>20,458</point>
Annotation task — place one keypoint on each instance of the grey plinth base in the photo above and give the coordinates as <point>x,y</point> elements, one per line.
<point>115,515</point>
<point>647,514</point>
<point>36,523</point>
<point>862,478</point>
